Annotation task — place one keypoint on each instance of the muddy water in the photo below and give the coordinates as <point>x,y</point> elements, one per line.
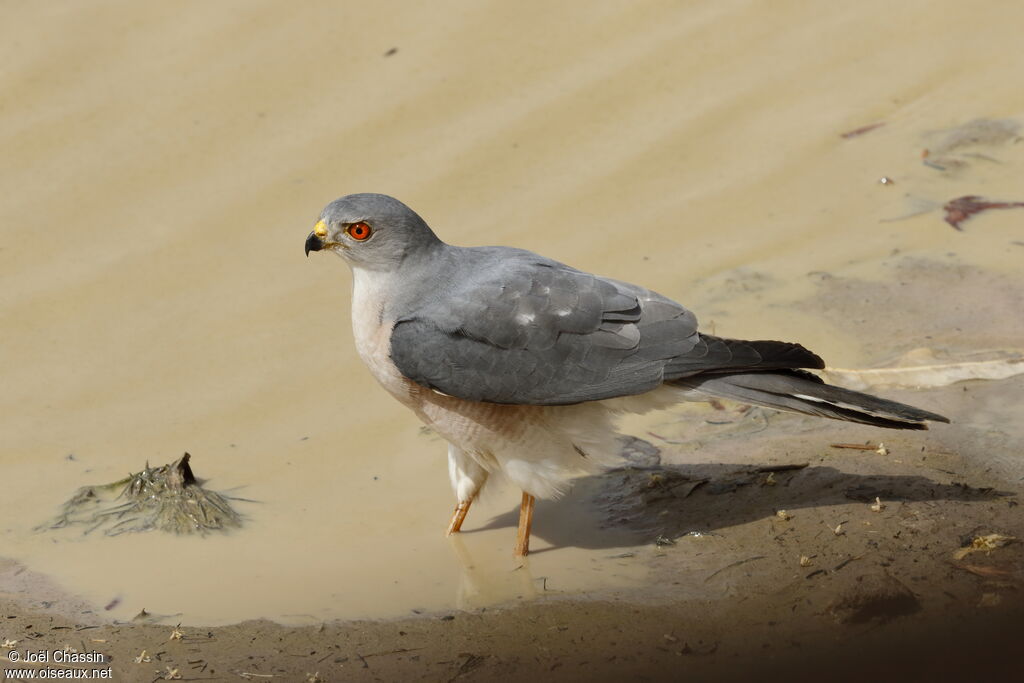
<point>162,165</point>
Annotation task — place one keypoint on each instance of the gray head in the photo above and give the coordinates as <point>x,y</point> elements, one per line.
<point>373,231</point>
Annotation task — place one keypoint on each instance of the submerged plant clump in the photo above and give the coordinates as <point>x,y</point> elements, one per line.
<point>166,498</point>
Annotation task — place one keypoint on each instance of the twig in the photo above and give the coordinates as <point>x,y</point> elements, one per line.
<point>846,562</point>
<point>390,652</point>
<point>984,571</point>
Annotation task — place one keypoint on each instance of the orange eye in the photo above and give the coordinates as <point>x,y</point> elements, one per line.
<point>359,231</point>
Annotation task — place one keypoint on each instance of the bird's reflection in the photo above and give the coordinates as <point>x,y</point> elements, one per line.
<point>487,579</point>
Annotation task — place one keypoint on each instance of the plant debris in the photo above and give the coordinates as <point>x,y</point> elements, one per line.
<point>857,132</point>
<point>983,543</point>
<point>918,376</point>
<point>867,494</point>
<point>960,209</point>
<point>880,448</point>
<point>166,498</point>
<point>985,572</point>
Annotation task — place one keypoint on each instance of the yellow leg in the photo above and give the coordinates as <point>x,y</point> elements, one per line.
<point>525,522</point>
<point>459,516</point>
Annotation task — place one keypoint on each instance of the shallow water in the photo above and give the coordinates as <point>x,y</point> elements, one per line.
<point>163,165</point>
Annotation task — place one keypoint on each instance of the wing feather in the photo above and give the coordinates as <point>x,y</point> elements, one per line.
<point>522,329</point>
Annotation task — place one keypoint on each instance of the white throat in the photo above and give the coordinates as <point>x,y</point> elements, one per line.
<point>372,332</point>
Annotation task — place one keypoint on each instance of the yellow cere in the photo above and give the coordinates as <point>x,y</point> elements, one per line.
<point>320,229</point>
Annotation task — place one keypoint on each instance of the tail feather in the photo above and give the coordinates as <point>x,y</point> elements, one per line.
<point>802,392</point>
<point>718,354</point>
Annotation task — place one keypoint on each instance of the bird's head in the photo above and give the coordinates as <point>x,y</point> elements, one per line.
<point>372,231</point>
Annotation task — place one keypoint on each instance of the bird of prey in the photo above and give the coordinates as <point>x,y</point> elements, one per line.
<point>522,363</point>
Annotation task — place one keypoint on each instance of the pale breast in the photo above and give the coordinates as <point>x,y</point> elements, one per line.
<point>475,427</point>
<point>372,334</point>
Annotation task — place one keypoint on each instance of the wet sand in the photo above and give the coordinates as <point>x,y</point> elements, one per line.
<point>165,162</point>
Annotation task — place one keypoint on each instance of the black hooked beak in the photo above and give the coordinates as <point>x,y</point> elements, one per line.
<point>313,243</point>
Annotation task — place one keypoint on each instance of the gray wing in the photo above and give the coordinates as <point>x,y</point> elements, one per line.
<point>534,331</point>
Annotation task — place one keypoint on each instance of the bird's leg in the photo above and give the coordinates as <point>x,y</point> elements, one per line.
<point>467,477</point>
<point>458,517</point>
<point>525,522</point>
